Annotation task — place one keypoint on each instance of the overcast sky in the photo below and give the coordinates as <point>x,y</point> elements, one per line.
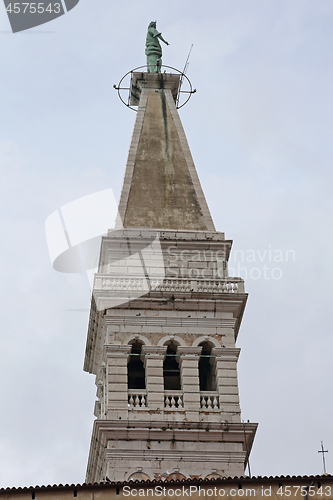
<point>260,131</point>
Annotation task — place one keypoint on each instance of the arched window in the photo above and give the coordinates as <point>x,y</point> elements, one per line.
<point>206,368</point>
<point>171,371</point>
<point>135,370</point>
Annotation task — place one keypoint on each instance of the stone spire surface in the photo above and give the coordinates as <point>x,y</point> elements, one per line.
<point>161,188</point>
<point>165,316</point>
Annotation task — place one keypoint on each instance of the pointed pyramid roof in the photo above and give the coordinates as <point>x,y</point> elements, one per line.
<point>161,187</point>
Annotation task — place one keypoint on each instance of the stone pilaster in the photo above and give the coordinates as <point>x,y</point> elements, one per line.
<point>116,380</point>
<point>189,375</point>
<point>226,381</point>
<point>153,357</point>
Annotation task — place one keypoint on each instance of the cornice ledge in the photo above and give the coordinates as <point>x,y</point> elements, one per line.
<point>154,349</point>
<point>189,350</point>
<point>112,349</point>
<point>226,352</point>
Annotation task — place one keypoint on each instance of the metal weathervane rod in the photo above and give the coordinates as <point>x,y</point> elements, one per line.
<point>323,453</point>
<point>183,74</point>
<point>187,60</point>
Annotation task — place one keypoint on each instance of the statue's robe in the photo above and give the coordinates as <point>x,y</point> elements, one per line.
<point>153,51</point>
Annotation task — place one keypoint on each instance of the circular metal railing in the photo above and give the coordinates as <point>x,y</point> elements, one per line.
<point>183,80</point>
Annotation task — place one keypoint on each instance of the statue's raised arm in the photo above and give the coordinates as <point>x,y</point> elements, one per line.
<point>153,49</point>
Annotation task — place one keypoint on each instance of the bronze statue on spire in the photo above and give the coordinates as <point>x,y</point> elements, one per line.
<point>154,49</point>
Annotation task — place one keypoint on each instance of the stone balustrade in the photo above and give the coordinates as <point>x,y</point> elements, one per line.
<point>137,399</point>
<point>120,283</point>
<point>173,400</point>
<point>209,400</point>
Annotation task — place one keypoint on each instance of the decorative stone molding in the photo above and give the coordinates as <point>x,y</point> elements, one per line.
<point>175,338</point>
<point>206,338</point>
<point>134,337</point>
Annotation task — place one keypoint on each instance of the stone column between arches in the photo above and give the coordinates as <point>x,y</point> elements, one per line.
<point>153,357</point>
<point>227,382</point>
<point>189,376</point>
<point>116,380</point>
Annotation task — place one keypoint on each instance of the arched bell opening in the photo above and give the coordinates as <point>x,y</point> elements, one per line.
<point>171,370</point>
<point>136,378</point>
<point>207,376</point>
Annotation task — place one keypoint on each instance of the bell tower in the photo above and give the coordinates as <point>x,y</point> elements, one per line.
<point>165,315</point>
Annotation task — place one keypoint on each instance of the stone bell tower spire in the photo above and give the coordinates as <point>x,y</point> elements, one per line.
<point>161,188</point>
<point>165,316</point>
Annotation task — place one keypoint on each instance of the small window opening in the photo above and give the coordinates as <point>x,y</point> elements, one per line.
<point>135,368</point>
<point>206,368</point>
<point>75,493</point>
<point>171,371</point>
<point>33,496</point>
